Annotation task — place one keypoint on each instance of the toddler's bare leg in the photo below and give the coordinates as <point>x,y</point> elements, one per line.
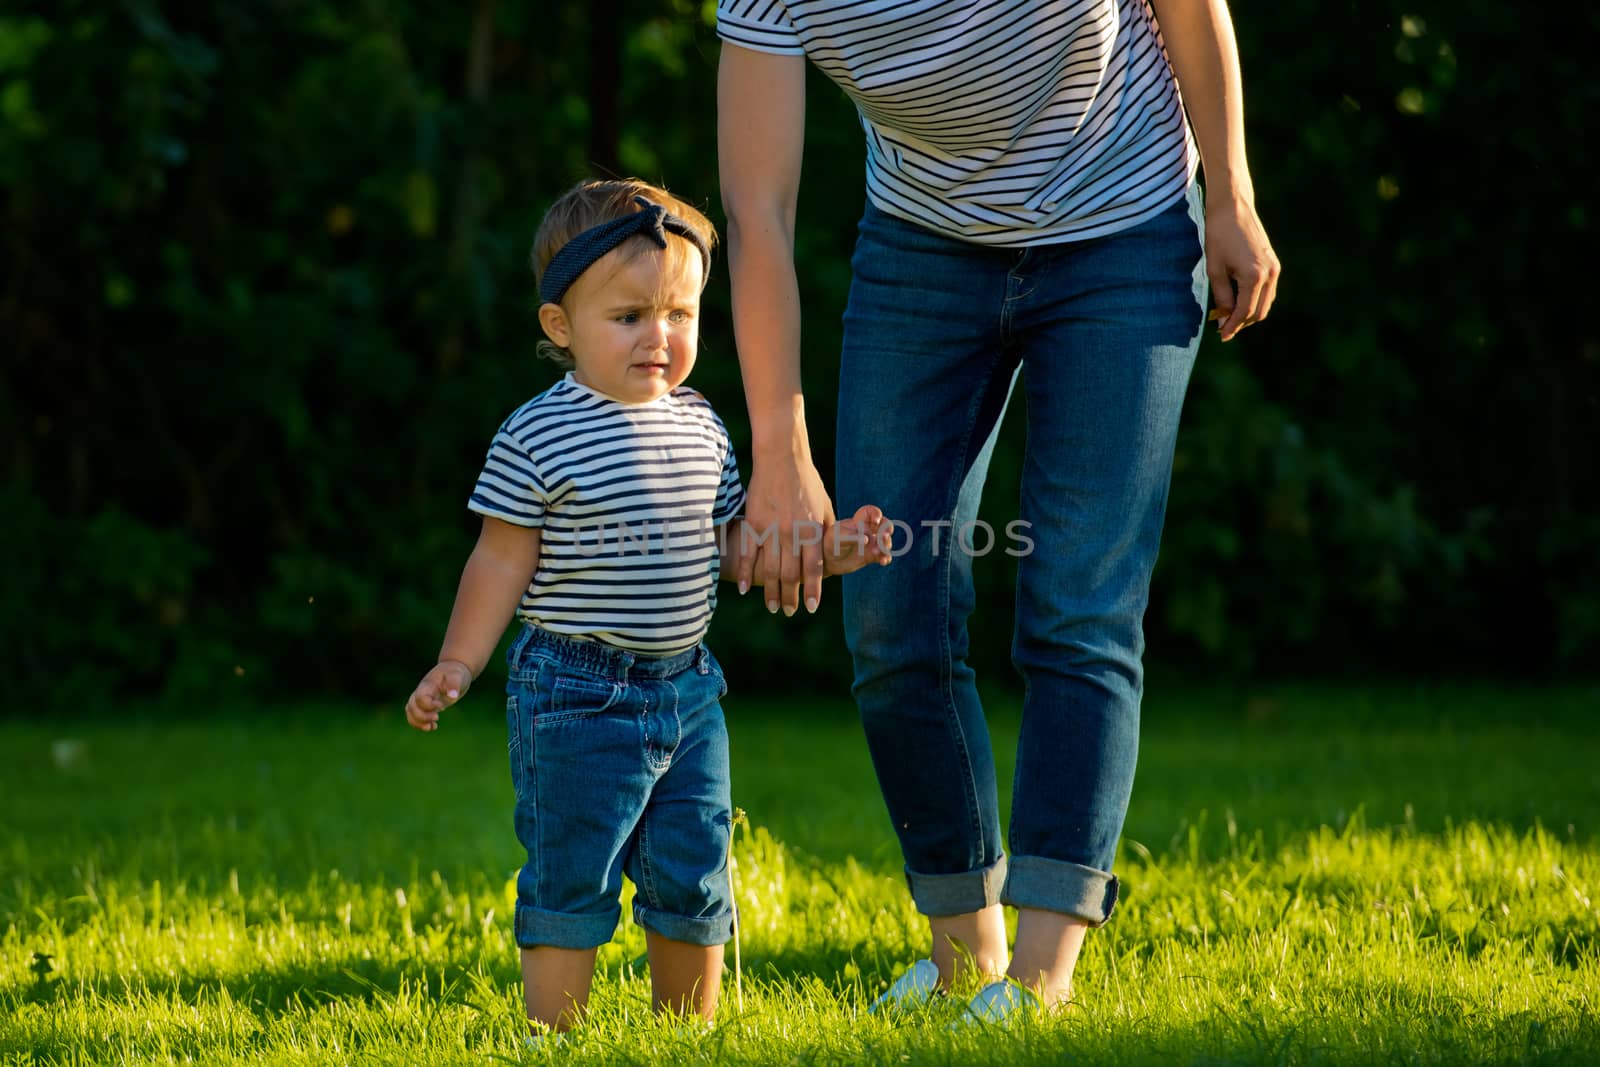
<point>1048,944</point>
<point>684,978</point>
<point>555,984</point>
<point>982,933</point>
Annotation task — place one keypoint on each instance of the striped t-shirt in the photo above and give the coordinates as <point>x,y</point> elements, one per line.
<point>626,497</point>
<point>1004,122</point>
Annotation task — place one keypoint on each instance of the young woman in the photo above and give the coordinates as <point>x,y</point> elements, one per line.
<point>1031,212</point>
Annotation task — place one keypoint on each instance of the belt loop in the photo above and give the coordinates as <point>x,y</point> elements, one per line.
<point>622,667</point>
<point>702,660</point>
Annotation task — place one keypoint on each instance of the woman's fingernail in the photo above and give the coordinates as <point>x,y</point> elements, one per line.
<point>772,606</point>
<point>788,612</point>
<point>811,604</point>
<point>744,587</point>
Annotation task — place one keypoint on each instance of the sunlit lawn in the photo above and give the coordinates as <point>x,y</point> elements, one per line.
<point>1312,875</point>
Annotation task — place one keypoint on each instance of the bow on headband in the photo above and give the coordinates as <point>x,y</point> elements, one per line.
<point>579,254</point>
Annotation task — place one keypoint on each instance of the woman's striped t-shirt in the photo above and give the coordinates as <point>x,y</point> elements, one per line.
<point>1003,122</point>
<point>627,498</point>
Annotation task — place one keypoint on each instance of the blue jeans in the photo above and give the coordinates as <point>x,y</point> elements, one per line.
<point>1103,335</point>
<point>620,765</point>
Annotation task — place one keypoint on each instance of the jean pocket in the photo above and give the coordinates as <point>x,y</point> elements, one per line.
<point>517,747</point>
<point>709,667</point>
<point>576,698</point>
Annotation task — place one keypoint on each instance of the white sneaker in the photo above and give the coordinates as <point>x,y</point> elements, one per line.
<point>546,1039</point>
<point>997,1002</point>
<point>912,989</point>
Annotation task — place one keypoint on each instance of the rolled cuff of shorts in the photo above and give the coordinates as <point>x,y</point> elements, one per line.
<point>957,894</point>
<point>1057,885</point>
<point>536,927</point>
<point>717,930</point>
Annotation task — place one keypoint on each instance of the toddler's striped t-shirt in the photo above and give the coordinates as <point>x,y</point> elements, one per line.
<point>627,498</point>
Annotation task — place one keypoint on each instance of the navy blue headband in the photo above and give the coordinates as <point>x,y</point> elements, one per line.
<point>579,254</point>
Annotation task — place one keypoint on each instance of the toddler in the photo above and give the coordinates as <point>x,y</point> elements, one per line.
<point>611,504</point>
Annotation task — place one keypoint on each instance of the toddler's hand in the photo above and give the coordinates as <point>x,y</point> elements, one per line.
<point>863,538</point>
<point>441,687</point>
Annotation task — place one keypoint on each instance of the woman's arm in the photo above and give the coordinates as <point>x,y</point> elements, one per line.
<point>760,140</point>
<point>1200,44</point>
<point>495,577</point>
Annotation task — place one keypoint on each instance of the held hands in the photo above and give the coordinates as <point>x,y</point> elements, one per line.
<point>439,689</point>
<point>786,492</point>
<point>862,539</point>
<point>1243,268</point>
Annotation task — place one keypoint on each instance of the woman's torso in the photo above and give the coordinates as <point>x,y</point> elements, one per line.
<point>1006,123</point>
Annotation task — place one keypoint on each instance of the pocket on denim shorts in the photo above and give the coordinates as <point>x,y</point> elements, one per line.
<point>574,698</point>
<point>514,744</point>
<point>707,667</point>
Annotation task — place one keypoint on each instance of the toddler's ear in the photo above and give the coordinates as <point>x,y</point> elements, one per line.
<point>554,322</point>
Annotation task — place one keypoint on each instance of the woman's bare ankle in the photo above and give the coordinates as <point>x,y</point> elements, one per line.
<point>1046,954</point>
<point>972,944</point>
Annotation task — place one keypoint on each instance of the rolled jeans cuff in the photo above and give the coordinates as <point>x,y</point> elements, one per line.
<point>1085,893</point>
<point>691,930</point>
<point>957,894</point>
<point>535,927</point>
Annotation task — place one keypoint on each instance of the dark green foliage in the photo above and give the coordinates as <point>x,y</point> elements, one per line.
<point>265,299</point>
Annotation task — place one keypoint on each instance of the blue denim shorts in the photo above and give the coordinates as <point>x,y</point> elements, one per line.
<point>620,765</point>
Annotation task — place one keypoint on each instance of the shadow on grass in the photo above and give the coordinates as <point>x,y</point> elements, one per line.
<point>278,989</point>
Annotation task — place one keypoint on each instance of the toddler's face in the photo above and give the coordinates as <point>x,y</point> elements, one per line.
<point>632,324</point>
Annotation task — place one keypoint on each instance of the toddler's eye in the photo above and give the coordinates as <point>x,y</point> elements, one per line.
<point>628,317</point>
<point>678,317</point>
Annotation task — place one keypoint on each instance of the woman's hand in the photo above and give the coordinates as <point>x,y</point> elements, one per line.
<point>1243,268</point>
<point>786,511</point>
<point>441,687</point>
<point>1239,258</point>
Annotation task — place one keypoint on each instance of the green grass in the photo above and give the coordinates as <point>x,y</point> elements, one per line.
<point>1312,875</point>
